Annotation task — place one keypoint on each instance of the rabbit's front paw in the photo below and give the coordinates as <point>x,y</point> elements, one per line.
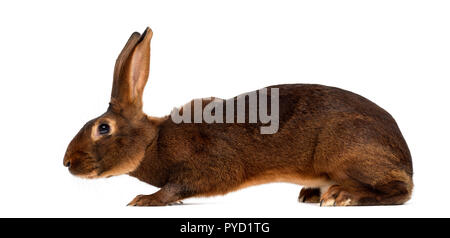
<point>146,200</point>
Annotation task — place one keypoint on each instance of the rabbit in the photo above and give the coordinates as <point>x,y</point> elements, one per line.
<point>342,148</point>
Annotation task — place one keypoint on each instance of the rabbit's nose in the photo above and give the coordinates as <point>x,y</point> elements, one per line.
<point>66,161</point>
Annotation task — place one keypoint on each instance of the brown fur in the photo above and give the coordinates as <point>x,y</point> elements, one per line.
<point>327,136</point>
<point>309,195</point>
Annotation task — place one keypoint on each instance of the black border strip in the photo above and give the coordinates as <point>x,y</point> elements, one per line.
<point>163,227</point>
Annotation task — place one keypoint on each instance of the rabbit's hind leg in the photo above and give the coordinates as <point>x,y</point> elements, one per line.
<point>309,195</point>
<point>395,192</point>
<point>312,194</point>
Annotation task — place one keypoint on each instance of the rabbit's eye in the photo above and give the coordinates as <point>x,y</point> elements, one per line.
<point>103,129</point>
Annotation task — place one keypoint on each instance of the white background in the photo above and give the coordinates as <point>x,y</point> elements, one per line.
<point>56,65</point>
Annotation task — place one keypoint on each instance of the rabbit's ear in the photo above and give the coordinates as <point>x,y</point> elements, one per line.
<point>131,71</point>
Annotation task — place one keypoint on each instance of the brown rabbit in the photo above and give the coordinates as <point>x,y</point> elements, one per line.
<point>343,148</point>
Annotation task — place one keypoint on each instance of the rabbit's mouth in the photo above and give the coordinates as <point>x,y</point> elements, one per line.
<point>84,167</point>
